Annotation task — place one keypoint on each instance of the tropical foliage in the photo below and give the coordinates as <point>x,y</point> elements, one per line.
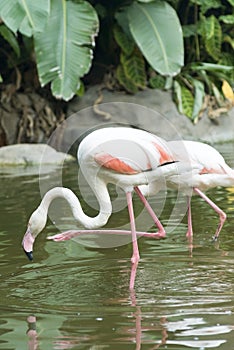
<point>186,46</point>
<point>207,77</point>
<point>63,35</point>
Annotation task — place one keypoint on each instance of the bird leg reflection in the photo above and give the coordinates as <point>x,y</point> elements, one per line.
<point>189,233</point>
<point>138,323</point>
<point>32,333</point>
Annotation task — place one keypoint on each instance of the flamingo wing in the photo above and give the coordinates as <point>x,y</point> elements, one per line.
<point>124,150</point>
<point>209,159</point>
<point>113,163</point>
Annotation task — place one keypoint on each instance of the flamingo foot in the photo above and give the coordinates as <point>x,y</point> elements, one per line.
<point>64,236</point>
<point>159,234</point>
<point>215,238</point>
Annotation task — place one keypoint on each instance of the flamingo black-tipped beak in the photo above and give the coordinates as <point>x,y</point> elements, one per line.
<point>29,255</point>
<point>27,244</point>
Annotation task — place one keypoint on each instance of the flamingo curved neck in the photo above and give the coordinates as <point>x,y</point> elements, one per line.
<point>74,203</point>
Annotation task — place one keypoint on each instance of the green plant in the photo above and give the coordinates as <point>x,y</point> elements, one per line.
<point>153,28</point>
<point>185,45</point>
<point>63,35</point>
<point>209,61</point>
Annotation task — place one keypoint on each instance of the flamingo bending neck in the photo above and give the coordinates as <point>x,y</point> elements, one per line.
<point>77,211</point>
<point>38,218</point>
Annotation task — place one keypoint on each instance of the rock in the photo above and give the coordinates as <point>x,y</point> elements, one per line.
<point>32,154</point>
<point>153,110</point>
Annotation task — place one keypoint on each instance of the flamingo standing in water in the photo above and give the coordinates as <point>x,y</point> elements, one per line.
<point>120,155</point>
<point>208,170</point>
<point>213,172</point>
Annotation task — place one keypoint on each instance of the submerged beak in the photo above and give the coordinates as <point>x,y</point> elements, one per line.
<point>27,244</point>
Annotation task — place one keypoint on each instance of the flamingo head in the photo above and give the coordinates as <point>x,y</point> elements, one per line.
<point>36,224</point>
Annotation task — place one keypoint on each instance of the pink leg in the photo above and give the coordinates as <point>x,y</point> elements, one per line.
<point>65,236</point>
<point>133,276</point>
<point>189,233</point>
<point>161,232</point>
<point>190,227</point>
<point>220,212</point>
<point>135,256</point>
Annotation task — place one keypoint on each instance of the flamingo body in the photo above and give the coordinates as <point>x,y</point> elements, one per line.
<point>213,172</point>
<point>122,151</point>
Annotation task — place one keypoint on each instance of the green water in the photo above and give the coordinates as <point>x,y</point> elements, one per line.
<point>79,295</point>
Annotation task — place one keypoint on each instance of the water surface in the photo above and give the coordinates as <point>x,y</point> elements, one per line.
<point>79,295</point>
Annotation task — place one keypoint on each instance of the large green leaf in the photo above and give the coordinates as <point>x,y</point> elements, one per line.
<point>127,83</point>
<point>27,16</point>
<point>71,30</point>
<point>134,68</point>
<point>126,44</point>
<point>184,99</point>
<point>157,32</point>
<point>187,101</point>
<point>199,95</point>
<point>212,34</point>
<point>11,13</point>
<point>177,95</point>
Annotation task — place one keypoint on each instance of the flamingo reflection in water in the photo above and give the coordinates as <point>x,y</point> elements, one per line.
<point>133,332</point>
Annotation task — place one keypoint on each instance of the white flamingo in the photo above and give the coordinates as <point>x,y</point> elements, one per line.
<point>120,155</point>
<point>213,172</point>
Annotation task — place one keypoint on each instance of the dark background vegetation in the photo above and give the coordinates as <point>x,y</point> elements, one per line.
<point>54,50</point>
